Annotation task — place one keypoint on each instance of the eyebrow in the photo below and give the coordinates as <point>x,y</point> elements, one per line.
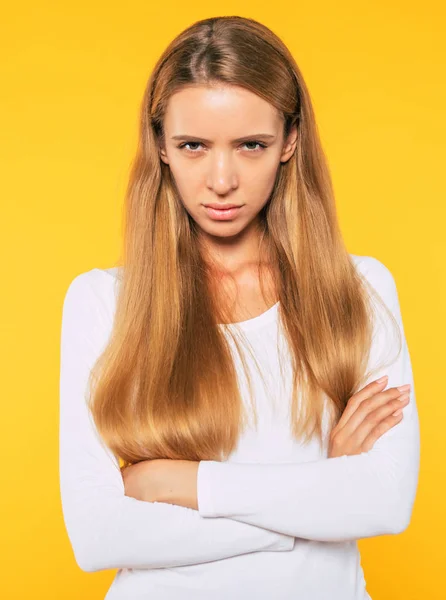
<point>265,136</point>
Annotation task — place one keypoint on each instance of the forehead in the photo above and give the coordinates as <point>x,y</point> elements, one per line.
<point>219,109</point>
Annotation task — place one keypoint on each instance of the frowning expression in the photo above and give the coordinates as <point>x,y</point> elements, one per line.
<point>224,145</point>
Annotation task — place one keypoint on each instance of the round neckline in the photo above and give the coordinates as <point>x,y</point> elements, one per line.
<point>254,322</point>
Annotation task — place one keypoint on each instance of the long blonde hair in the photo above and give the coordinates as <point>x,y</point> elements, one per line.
<point>165,385</point>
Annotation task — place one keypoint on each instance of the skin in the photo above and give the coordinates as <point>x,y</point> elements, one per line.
<point>221,159</point>
<point>222,170</point>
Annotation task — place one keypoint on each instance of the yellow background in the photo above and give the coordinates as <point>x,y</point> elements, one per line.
<point>72,77</point>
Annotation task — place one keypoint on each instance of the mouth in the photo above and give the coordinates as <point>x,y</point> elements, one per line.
<point>222,212</point>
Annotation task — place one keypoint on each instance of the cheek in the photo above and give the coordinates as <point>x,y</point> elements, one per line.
<point>188,181</point>
<point>260,182</point>
<point>255,179</point>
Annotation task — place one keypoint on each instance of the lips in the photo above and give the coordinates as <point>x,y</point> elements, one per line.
<point>222,214</point>
<point>222,206</point>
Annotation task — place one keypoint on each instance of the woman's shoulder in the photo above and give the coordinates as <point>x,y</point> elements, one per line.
<point>377,274</point>
<point>369,265</point>
<point>96,280</point>
<point>94,290</point>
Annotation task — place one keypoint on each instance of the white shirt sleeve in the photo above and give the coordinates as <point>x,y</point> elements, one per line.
<point>107,529</point>
<point>333,499</point>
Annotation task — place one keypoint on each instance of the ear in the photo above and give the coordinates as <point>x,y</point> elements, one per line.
<point>163,153</point>
<point>289,144</point>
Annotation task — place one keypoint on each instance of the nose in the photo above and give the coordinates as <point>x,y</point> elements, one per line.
<point>222,176</point>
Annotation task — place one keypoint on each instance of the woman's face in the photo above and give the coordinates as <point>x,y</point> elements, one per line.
<point>223,146</point>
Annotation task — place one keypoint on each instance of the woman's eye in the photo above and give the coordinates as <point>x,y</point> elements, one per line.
<point>188,144</point>
<point>194,150</point>
<point>260,146</point>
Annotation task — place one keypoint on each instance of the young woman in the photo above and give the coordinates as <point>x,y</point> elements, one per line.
<point>243,371</point>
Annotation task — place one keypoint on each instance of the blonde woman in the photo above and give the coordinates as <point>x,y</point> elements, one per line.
<point>237,405</point>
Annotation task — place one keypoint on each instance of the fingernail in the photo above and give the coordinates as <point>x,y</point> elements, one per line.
<point>381,379</point>
<point>403,388</point>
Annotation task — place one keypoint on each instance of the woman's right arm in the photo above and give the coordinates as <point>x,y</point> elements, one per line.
<point>107,529</point>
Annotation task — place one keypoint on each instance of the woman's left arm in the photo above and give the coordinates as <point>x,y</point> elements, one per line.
<point>333,499</point>
<point>163,480</point>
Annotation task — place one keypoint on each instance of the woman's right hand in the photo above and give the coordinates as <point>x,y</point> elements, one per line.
<point>368,415</point>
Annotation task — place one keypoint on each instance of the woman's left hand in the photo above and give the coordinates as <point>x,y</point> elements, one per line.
<point>163,480</point>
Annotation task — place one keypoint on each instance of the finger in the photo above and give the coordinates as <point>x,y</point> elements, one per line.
<point>380,430</point>
<point>388,409</point>
<point>369,390</point>
<point>373,400</point>
<point>363,424</point>
<point>380,401</point>
<point>372,410</point>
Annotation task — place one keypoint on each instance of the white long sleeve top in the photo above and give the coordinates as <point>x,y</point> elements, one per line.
<point>276,520</point>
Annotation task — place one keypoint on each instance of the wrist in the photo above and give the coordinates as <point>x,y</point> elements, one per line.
<point>179,484</point>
